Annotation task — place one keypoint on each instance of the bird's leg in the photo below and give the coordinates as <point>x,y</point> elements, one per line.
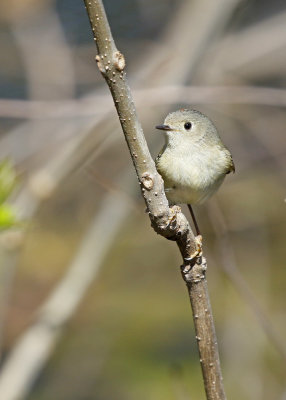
<point>198,239</point>
<point>194,220</point>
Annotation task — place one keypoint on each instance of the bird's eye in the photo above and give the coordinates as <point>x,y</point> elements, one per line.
<point>188,126</point>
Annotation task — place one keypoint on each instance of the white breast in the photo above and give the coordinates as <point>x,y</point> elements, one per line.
<point>192,178</point>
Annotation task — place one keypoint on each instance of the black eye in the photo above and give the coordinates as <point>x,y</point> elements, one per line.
<point>188,126</point>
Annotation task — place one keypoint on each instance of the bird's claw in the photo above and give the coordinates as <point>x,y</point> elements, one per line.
<point>198,252</point>
<point>175,210</point>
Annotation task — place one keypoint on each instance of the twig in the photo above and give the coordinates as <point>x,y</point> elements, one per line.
<point>169,222</point>
<point>156,96</point>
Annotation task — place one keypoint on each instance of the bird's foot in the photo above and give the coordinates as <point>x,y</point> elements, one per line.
<point>199,243</point>
<point>198,251</point>
<point>176,209</point>
<point>172,218</point>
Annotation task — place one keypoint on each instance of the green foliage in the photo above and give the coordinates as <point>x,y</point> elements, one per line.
<point>7,179</point>
<point>7,216</point>
<point>7,184</point>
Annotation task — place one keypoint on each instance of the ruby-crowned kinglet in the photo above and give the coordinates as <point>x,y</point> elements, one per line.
<point>193,161</point>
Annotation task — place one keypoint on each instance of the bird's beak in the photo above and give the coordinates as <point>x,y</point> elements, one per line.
<point>164,127</point>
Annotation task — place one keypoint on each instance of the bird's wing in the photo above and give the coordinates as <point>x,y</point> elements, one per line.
<point>159,156</point>
<point>231,166</point>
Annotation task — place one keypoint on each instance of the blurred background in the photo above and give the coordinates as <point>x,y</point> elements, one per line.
<point>92,304</point>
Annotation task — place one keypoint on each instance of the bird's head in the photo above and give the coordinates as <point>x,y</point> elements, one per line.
<point>188,125</point>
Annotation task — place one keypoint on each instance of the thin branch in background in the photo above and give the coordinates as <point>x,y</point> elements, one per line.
<point>40,186</point>
<point>36,134</point>
<point>34,53</point>
<point>176,66</point>
<point>113,188</point>
<point>34,347</point>
<point>169,222</point>
<point>242,53</point>
<point>259,128</point>
<point>158,96</point>
<point>57,81</point>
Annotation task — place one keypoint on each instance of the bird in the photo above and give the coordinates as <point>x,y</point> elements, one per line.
<point>193,161</point>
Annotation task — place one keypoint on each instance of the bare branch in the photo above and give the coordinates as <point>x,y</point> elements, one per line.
<point>169,222</point>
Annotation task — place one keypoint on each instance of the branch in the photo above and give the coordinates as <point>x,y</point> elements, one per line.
<point>168,222</point>
<point>253,95</point>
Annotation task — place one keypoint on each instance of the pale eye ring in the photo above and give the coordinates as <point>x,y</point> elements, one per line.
<point>188,126</point>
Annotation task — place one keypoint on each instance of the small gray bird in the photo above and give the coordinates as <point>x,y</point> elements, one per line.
<point>193,161</point>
